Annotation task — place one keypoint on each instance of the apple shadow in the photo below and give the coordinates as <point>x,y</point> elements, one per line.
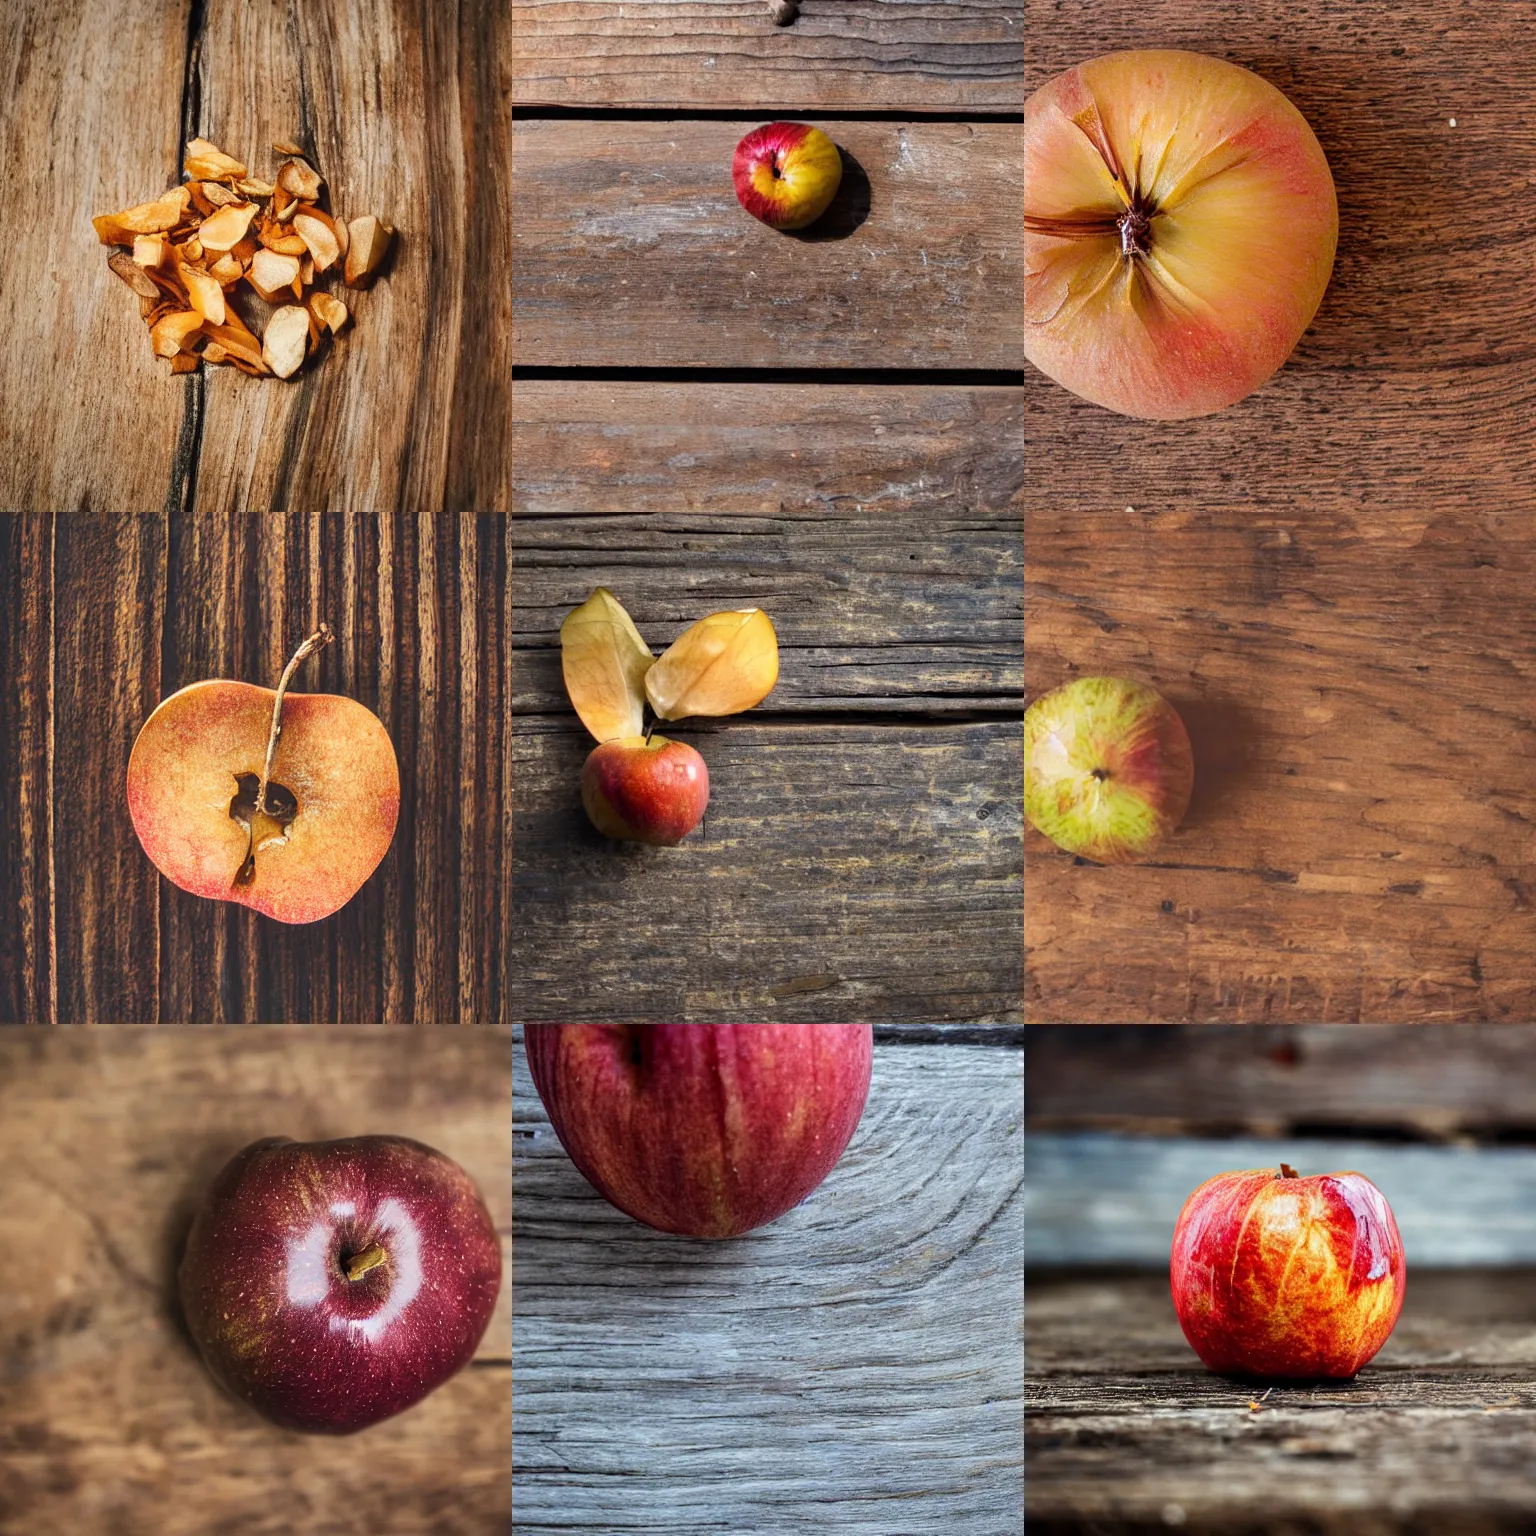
<point>1225,737</point>
<point>847,210</point>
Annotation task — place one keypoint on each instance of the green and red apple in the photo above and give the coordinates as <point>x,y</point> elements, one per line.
<point>1108,768</point>
<point>1286,1278</point>
<point>786,174</point>
<point>645,789</point>
<point>1180,224</point>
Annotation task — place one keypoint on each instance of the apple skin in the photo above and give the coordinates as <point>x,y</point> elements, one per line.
<point>334,755</point>
<point>1108,768</point>
<point>277,1320</point>
<point>1180,226</point>
<point>645,791</point>
<point>706,1130</point>
<point>786,174</point>
<point>1286,1278</point>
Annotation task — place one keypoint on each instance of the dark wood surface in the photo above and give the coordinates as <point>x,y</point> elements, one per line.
<point>1331,579</point>
<point>1126,1432</point>
<point>108,1419</point>
<point>854,1367</point>
<point>101,616</point>
<point>406,111</point>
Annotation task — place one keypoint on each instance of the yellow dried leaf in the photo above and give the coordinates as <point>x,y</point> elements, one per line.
<point>605,661</point>
<point>209,163</point>
<point>226,229</point>
<point>720,666</point>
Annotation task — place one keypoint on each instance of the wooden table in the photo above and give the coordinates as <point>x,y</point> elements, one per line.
<point>108,1419</point>
<point>709,414</point>
<point>855,1367</point>
<point>1331,580</point>
<point>405,109</point>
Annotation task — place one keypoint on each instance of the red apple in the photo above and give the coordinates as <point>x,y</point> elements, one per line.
<point>1284,1277</point>
<point>787,174</point>
<point>645,790</point>
<point>1108,768</point>
<point>1179,231</point>
<point>707,1130</point>
<point>332,1284</point>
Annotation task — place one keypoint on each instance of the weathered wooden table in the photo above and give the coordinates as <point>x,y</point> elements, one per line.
<point>708,414</point>
<point>1331,580</point>
<point>855,1367</point>
<point>108,1419</point>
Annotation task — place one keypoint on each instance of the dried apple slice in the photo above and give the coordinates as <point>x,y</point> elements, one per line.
<point>330,312</point>
<point>148,250</point>
<point>720,666</point>
<point>206,295</point>
<point>286,338</point>
<point>134,275</point>
<point>207,162</point>
<point>226,229</point>
<point>143,218</point>
<point>169,335</point>
<point>272,274</point>
<point>316,231</point>
<point>298,178</point>
<point>367,244</point>
<point>234,342</point>
<point>605,661</point>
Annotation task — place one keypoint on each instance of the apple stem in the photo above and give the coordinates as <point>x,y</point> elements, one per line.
<point>321,638</point>
<point>360,1263</point>
<point>1287,1172</point>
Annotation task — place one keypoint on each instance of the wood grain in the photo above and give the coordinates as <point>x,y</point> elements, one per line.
<point>1127,1433</point>
<point>108,1420</point>
<point>632,251</point>
<point>863,55</point>
<point>854,1367</point>
<point>112,613</point>
<point>1329,580</point>
<point>406,111</point>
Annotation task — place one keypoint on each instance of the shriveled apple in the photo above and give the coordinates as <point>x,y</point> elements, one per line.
<point>1179,231</point>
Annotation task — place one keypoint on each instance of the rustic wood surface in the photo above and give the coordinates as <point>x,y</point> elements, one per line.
<point>630,250</point>
<point>861,853</point>
<point>857,54</point>
<point>1331,579</point>
<point>1436,1082</point>
<point>1127,1433</point>
<point>406,111</point>
<point>108,1419</point>
<point>101,616</point>
<point>854,1367</point>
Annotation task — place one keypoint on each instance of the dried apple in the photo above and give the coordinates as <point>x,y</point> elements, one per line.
<point>722,665</point>
<point>604,662</point>
<point>284,342</point>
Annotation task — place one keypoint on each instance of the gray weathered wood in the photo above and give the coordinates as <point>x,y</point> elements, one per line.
<point>863,54</point>
<point>855,1367</point>
<point>1128,1433</point>
<point>1107,1199</point>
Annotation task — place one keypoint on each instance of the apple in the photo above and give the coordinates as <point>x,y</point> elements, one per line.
<point>1108,768</point>
<point>1288,1278</point>
<point>1180,224</point>
<point>645,789</point>
<point>283,802</point>
<point>332,1284</point>
<point>786,174</point>
<point>707,1130</point>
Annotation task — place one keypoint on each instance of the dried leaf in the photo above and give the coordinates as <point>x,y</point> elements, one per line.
<point>169,334</point>
<point>272,273</point>
<point>285,341</point>
<point>319,235</point>
<point>134,275</point>
<point>143,218</point>
<point>720,666</point>
<point>299,179</point>
<point>210,163</point>
<point>226,229</point>
<point>605,662</point>
<point>367,241</point>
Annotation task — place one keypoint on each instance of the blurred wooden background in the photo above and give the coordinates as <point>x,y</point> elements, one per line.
<point>709,414</point>
<point>1331,580</point>
<point>854,1367</point>
<point>102,615</point>
<point>405,110</point>
<point>108,1419</point>
<point>1124,1423</point>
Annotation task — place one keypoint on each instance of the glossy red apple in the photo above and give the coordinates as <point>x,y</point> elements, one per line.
<point>1288,1278</point>
<point>787,174</point>
<point>645,790</point>
<point>707,1130</point>
<point>332,1284</point>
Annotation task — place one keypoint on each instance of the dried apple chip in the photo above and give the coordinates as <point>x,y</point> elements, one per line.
<point>143,218</point>
<point>272,273</point>
<point>206,295</point>
<point>367,244</point>
<point>134,275</point>
<point>720,666</point>
<point>299,179</point>
<point>319,236</point>
<point>605,662</point>
<point>226,228</point>
<point>207,162</point>
<point>328,310</point>
<point>169,335</point>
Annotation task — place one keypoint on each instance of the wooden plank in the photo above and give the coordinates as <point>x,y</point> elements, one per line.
<point>844,871</point>
<point>405,111</point>
<point>859,54</point>
<point>1329,580</point>
<point>632,251</point>
<point>108,1420</point>
<point>724,1364</point>
<point>90,417</point>
<point>1435,1082</point>
<point>807,452</point>
<point>1111,1199</point>
<point>1127,1431</point>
